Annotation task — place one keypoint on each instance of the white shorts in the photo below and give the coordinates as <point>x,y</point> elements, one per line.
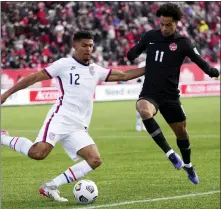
<point>72,142</point>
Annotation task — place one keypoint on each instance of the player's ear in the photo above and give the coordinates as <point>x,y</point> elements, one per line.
<point>74,45</point>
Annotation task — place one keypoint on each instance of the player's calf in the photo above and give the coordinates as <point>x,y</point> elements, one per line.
<point>91,161</point>
<point>91,155</point>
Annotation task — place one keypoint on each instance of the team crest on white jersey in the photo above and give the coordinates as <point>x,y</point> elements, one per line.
<point>51,135</point>
<point>91,70</point>
<point>173,47</point>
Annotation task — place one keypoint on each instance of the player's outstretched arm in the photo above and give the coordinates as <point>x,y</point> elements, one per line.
<point>118,75</point>
<point>136,50</point>
<point>24,83</point>
<point>194,55</point>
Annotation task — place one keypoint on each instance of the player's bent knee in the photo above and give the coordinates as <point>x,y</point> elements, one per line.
<point>94,162</point>
<point>145,113</point>
<point>39,151</point>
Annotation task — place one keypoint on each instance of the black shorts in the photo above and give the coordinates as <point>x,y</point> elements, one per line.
<point>171,109</point>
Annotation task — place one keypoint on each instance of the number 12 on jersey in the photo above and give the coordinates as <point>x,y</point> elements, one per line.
<point>76,76</point>
<point>157,54</point>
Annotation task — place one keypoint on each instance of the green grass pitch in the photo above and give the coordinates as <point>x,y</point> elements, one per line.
<point>134,168</point>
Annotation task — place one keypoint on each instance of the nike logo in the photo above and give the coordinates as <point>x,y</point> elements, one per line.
<point>151,43</point>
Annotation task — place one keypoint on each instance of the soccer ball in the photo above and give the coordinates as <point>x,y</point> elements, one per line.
<point>85,192</point>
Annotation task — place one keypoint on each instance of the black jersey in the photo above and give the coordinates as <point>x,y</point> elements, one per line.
<point>165,56</point>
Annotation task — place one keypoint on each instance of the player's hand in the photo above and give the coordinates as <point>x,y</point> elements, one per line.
<point>214,73</point>
<point>4,97</point>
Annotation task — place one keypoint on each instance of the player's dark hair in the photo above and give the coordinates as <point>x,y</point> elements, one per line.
<point>170,10</point>
<point>83,35</point>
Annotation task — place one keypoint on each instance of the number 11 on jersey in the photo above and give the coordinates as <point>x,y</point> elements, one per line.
<point>161,56</point>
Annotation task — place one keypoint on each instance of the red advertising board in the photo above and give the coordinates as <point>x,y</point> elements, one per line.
<point>43,95</point>
<point>200,88</point>
<point>189,73</point>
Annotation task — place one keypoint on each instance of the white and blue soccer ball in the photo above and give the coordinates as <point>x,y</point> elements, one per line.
<point>85,192</point>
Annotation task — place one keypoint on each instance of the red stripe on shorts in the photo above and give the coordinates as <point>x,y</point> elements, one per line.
<point>56,111</point>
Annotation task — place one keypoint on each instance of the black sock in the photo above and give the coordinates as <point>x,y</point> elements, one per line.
<point>184,146</point>
<point>155,131</point>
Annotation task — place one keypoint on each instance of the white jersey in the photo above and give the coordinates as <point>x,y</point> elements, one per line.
<point>76,83</point>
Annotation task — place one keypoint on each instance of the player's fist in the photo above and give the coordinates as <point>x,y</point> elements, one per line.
<point>4,96</point>
<point>214,73</point>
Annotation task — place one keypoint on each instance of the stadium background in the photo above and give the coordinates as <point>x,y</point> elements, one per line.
<point>34,34</point>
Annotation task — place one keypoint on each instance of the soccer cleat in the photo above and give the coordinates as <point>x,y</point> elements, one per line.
<point>3,133</point>
<point>51,192</point>
<point>192,174</point>
<point>176,160</point>
<point>138,127</point>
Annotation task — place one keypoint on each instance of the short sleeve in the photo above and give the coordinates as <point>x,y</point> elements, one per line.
<point>54,69</point>
<point>102,73</point>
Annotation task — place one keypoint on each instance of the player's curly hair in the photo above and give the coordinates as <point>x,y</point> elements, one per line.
<point>170,10</point>
<point>83,35</point>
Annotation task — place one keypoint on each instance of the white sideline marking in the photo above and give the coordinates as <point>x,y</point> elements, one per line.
<point>150,200</point>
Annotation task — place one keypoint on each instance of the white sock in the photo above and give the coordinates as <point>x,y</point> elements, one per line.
<point>138,119</point>
<point>189,165</point>
<point>169,153</point>
<point>19,144</point>
<point>72,174</point>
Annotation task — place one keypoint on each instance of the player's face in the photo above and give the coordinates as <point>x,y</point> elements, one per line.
<point>167,26</point>
<point>84,48</point>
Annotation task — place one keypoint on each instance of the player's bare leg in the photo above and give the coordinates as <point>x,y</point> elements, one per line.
<point>147,110</point>
<point>183,143</point>
<point>91,161</point>
<point>38,151</point>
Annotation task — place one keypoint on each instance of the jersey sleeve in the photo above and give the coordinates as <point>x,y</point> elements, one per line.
<point>192,52</point>
<point>54,69</point>
<point>135,51</point>
<point>102,73</point>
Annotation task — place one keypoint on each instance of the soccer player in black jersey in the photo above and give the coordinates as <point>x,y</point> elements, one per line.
<point>166,50</point>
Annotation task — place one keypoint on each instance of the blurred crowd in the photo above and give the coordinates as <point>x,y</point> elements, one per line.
<point>37,33</point>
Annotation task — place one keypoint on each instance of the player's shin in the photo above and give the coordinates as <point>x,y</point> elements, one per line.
<point>184,146</point>
<point>19,144</point>
<point>71,174</point>
<point>156,133</point>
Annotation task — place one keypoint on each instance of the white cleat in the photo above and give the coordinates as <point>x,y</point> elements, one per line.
<point>52,193</point>
<point>3,134</point>
<point>138,128</point>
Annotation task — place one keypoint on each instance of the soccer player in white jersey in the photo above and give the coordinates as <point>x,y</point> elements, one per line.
<point>69,118</point>
<point>139,122</point>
